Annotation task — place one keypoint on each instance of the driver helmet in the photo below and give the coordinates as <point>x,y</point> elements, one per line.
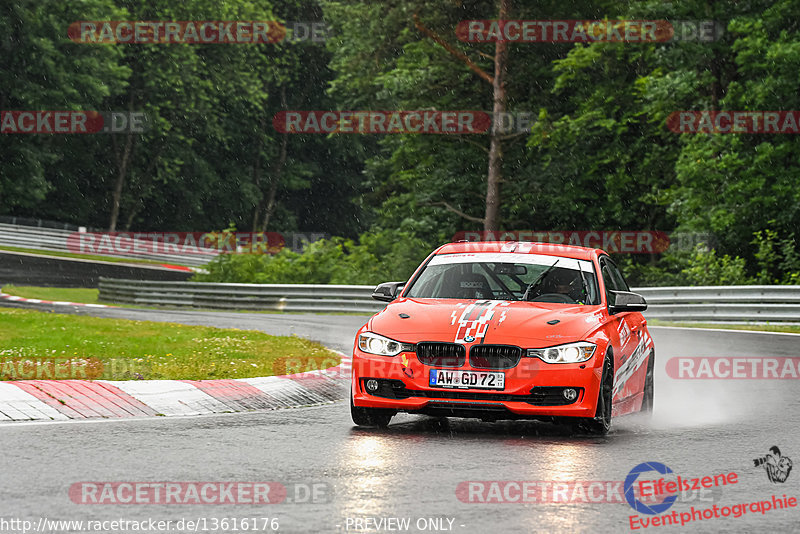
<point>563,281</point>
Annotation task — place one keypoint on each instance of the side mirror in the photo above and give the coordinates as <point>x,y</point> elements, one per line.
<point>625,301</point>
<point>388,291</point>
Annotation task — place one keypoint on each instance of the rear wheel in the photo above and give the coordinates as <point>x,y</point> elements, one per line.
<point>370,416</point>
<point>647,401</point>
<point>601,422</point>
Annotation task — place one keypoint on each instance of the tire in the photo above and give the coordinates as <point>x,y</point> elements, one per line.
<point>647,401</point>
<point>601,422</point>
<point>370,416</point>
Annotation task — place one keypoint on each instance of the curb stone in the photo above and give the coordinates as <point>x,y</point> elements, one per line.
<point>57,400</point>
<point>23,300</point>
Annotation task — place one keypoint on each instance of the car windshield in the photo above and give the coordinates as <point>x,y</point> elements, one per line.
<point>507,276</point>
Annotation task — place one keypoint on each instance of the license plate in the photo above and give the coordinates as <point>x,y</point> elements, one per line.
<point>446,378</point>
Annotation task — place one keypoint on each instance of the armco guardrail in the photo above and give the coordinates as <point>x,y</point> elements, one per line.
<point>267,297</point>
<point>723,303</point>
<point>53,239</point>
<point>694,304</point>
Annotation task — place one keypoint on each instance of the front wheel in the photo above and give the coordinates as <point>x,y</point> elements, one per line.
<point>370,416</point>
<point>601,422</point>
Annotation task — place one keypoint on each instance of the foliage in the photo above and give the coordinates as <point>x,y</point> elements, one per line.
<point>375,258</point>
<point>598,157</point>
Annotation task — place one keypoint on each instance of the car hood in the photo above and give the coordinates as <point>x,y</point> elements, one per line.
<point>487,321</point>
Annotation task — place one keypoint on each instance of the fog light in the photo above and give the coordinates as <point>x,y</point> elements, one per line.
<point>570,394</point>
<point>372,385</point>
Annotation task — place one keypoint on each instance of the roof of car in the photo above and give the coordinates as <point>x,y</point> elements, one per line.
<point>527,247</point>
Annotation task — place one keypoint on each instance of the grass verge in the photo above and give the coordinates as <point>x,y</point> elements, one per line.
<point>41,345</point>
<point>791,329</point>
<point>64,294</point>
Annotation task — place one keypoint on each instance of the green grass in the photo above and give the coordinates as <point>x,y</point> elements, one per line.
<point>792,329</point>
<point>33,343</point>
<point>60,254</point>
<point>83,295</point>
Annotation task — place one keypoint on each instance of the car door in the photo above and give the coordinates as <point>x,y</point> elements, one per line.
<point>621,332</point>
<point>629,327</point>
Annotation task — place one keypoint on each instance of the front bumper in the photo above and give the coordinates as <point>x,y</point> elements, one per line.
<point>533,389</point>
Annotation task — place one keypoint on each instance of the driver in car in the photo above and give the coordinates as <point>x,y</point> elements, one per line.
<point>565,282</point>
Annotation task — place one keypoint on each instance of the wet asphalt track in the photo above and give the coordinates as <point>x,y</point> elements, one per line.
<point>412,469</point>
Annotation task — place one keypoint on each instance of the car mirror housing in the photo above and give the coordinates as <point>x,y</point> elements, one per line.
<point>388,291</point>
<point>626,301</point>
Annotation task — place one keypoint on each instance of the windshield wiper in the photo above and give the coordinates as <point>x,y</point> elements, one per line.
<point>538,280</point>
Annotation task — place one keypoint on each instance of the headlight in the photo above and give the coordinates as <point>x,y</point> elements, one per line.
<point>383,346</point>
<point>569,353</point>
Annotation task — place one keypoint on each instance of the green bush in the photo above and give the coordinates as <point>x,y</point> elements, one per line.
<point>375,258</point>
<point>777,258</point>
<point>707,269</point>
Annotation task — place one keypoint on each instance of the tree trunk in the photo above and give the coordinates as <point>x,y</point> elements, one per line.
<point>276,176</point>
<point>273,187</point>
<point>122,171</point>
<point>494,177</point>
<point>257,173</point>
<point>129,220</point>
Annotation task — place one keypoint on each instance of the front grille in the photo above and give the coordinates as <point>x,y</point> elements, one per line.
<point>538,396</point>
<point>494,356</point>
<point>441,354</point>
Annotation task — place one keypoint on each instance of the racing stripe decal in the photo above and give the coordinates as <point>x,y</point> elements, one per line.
<point>629,367</point>
<point>474,320</point>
